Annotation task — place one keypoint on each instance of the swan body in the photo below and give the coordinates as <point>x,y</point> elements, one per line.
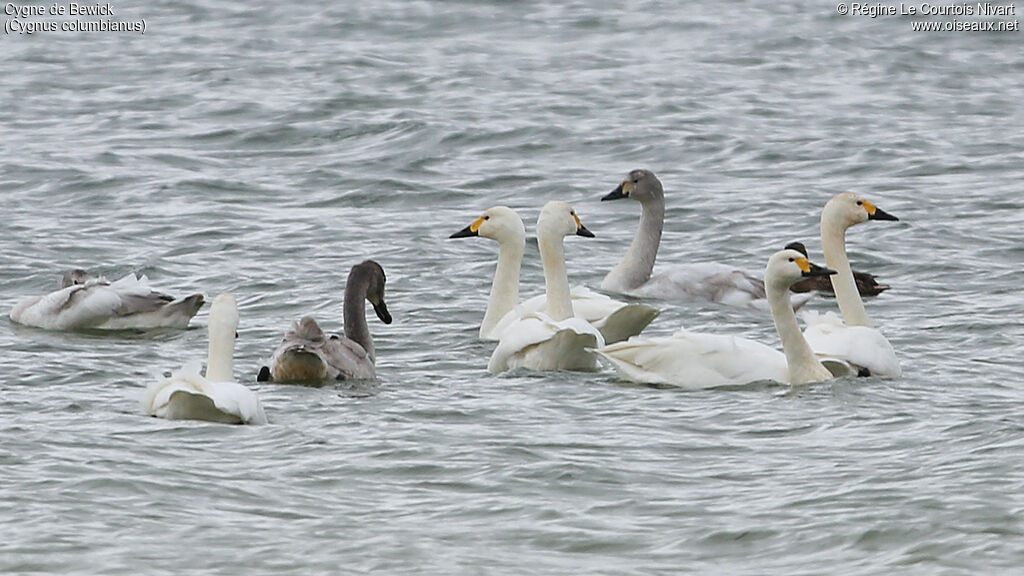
<point>555,340</point>
<point>84,302</point>
<point>306,354</point>
<point>189,395</point>
<point>538,342</point>
<point>616,320</point>
<point>864,347</point>
<point>694,360</point>
<point>634,275</point>
<point>854,339</point>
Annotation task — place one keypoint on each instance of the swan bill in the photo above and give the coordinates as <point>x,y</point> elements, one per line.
<point>620,192</point>
<point>581,230</point>
<point>876,213</point>
<point>809,269</point>
<point>381,309</point>
<point>469,231</point>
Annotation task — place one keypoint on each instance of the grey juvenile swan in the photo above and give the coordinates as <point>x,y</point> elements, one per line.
<point>707,280</point>
<point>306,354</point>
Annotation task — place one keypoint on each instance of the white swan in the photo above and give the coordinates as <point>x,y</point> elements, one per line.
<point>853,339</point>
<point>307,354</point>
<point>555,340</point>
<point>84,302</point>
<point>616,320</point>
<point>188,395</point>
<point>694,360</point>
<point>709,280</point>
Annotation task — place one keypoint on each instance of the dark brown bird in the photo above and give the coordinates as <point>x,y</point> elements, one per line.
<point>866,283</point>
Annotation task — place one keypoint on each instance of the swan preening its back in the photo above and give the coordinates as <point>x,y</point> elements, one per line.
<point>712,281</point>
<point>306,354</point>
<point>695,360</point>
<point>554,339</point>
<point>85,302</point>
<point>616,320</point>
<point>189,395</point>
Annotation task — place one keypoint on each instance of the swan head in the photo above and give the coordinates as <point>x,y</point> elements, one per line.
<point>558,219</point>
<point>848,209</point>
<point>74,278</point>
<point>373,274</point>
<point>224,319</point>
<point>640,185</point>
<point>789,266</point>
<point>499,223</point>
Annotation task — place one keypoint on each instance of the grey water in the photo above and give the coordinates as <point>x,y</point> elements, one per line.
<point>264,150</point>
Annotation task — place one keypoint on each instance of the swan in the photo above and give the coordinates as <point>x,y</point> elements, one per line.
<point>852,338</point>
<point>307,354</point>
<point>695,360</point>
<point>616,320</point>
<point>709,280</point>
<point>85,302</point>
<point>188,395</point>
<point>554,339</point>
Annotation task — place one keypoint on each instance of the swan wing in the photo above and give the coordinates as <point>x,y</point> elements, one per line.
<point>347,359</point>
<point>540,343</point>
<point>709,281</point>
<point>615,319</point>
<point>143,307</point>
<point>861,346</point>
<point>695,360</point>
<point>237,400</point>
<point>75,307</point>
<point>187,395</point>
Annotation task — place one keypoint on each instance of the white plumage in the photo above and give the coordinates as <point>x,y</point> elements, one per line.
<point>694,360</point>
<point>189,395</point>
<point>555,340</point>
<point>852,339</point>
<point>615,319</point>
<point>84,302</point>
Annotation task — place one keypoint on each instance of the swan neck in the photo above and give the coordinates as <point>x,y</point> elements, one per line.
<point>355,313</point>
<point>505,287</point>
<point>219,361</point>
<point>636,266</point>
<point>833,243</point>
<point>799,356</point>
<point>556,279</point>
